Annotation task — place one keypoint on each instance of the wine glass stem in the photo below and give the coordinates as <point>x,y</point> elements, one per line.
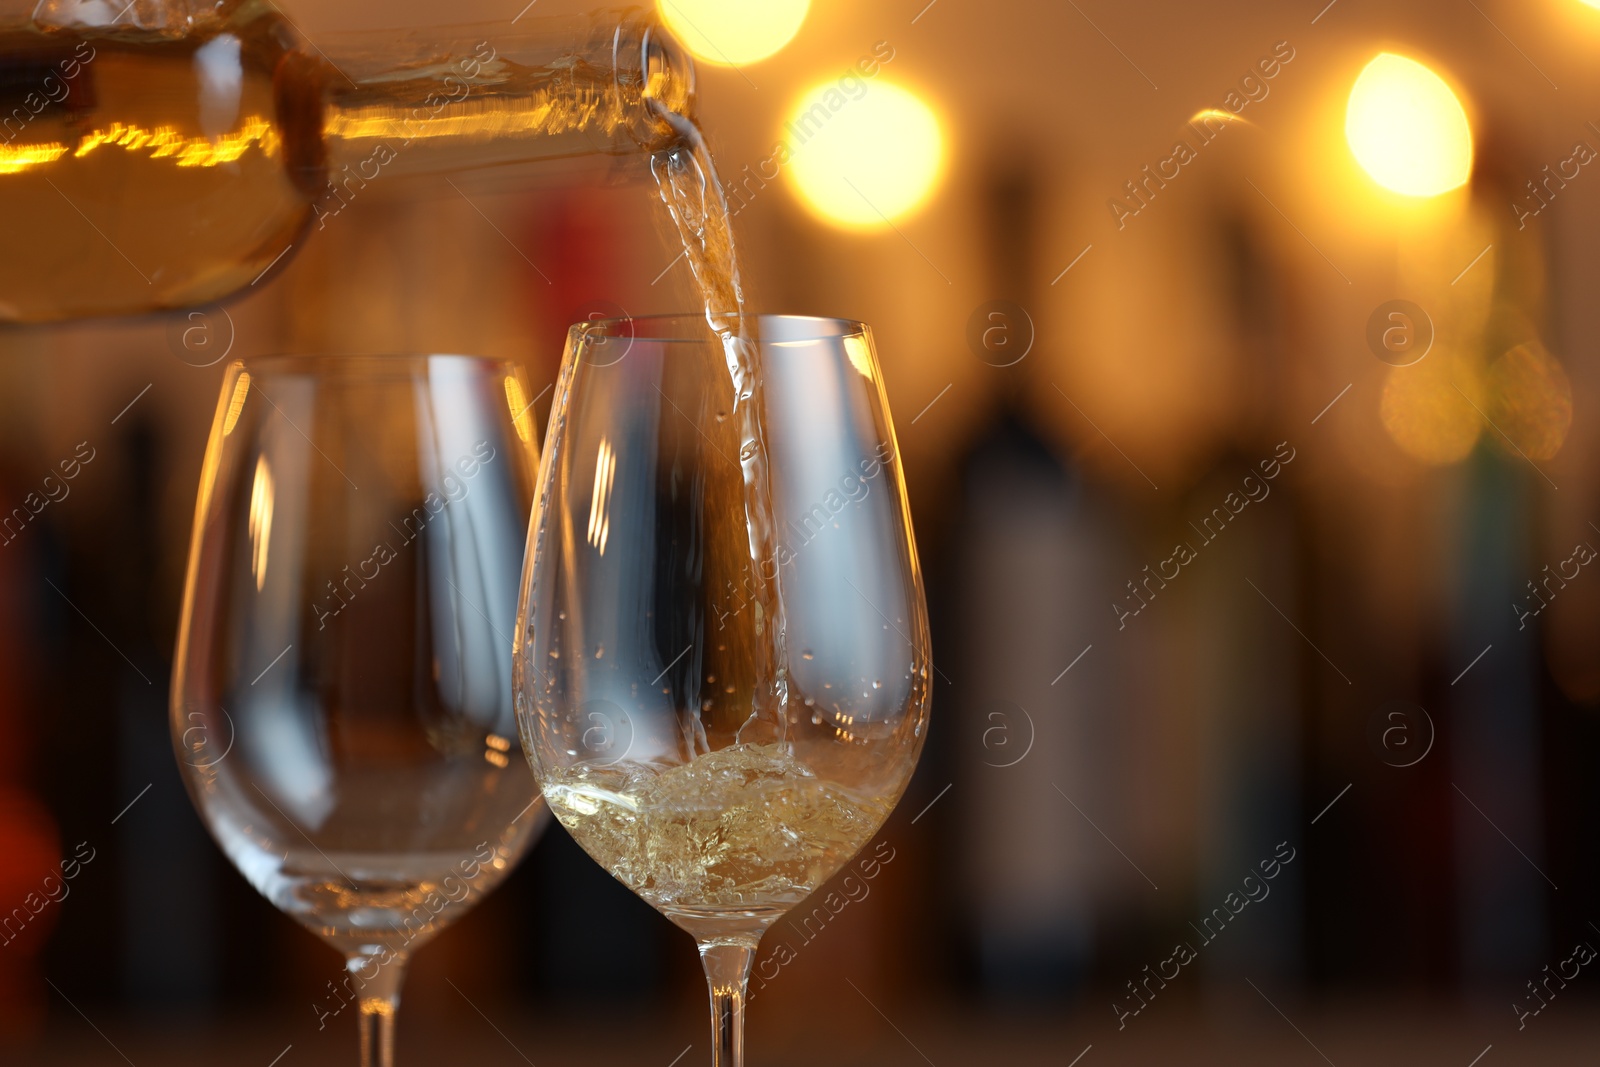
<point>378,979</point>
<point>727,967</point>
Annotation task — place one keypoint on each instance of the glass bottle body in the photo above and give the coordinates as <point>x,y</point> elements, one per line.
<point>149,164</point>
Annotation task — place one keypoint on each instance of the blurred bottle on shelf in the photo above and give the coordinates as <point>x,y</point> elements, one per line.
<point>169,153</point>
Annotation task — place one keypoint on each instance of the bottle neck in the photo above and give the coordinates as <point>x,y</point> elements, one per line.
<point>443,100</point>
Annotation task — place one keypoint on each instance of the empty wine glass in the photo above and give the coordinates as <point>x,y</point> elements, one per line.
<point>342,706</point>
<point>721,729</point>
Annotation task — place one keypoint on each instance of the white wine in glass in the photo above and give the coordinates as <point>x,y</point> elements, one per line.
<point>722,683</point>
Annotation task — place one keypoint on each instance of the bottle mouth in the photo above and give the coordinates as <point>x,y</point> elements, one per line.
<point>668,80</point>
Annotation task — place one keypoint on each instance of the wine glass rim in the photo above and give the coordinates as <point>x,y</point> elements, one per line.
<point>692,326</point>
<point>337,363</point>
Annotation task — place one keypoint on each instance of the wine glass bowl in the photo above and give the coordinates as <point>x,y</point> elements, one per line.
<point>721,728</point>
<point>342,705</point>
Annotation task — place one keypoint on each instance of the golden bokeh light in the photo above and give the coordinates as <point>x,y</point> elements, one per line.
<point>1437,410</point>
<point>733,32</point>
<point>1530,400</point>
<point>1427,412</point>
<point>861,162</point>
<point>1407,129</point>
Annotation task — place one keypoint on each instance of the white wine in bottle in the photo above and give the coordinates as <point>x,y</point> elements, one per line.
<point>169,153</point>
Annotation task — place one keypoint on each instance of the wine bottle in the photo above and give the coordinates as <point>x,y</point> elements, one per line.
<point>171,153</point>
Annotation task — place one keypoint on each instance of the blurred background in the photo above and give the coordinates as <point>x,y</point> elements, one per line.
<point>1245,387</point>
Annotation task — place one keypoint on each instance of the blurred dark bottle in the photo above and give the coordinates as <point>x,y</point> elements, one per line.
<point>168,153</point>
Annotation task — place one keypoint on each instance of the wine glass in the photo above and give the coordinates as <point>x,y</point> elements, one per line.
<point>342,707</point>
<point>722,645</point>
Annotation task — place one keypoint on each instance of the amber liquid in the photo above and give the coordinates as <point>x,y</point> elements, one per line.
<point>686,177</point>
<point>138,174</point>
<point>746,831</point>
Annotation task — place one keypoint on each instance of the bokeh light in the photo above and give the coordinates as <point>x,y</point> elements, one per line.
<point>1407,129</point>
<point>1428,410</point>
<point>1530,401</point>
<point>733,32</point>
<point>861,161</point>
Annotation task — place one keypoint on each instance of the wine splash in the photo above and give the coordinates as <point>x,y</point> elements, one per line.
<point>686,177</point>
<point>746,831</point>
